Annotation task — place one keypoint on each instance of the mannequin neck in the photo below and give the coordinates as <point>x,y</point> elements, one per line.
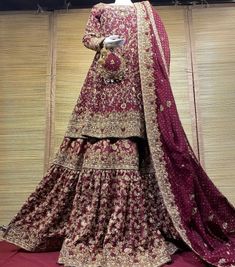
<point>123,2</point>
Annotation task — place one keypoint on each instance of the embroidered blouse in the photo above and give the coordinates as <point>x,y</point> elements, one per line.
<point>110,109</point>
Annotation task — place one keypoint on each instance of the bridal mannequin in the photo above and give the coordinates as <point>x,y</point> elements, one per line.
<point>114,40</point>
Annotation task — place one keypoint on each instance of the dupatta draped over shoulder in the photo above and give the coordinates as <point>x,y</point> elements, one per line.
<point>201,214</point>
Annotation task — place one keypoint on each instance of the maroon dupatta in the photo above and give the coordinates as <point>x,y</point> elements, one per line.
<point>201,214</point>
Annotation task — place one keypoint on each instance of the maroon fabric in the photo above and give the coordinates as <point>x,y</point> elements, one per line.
<point>212,238</point>
<point>97,194</point>
<point>12,256</point>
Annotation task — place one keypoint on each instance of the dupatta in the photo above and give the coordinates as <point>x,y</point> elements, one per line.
<point>201,214</point>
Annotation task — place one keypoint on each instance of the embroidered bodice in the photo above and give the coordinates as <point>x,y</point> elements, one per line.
<point>110,109</point>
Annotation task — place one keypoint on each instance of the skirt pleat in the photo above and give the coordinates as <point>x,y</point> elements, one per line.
<point>99,204</point>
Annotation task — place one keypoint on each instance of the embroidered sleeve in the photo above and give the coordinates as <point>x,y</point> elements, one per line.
<point>93,37</point>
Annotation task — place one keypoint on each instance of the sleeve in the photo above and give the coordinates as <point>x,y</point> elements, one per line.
<point>93,38</point>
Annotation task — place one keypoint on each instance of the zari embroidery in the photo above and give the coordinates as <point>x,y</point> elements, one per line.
<point>115,124</point>
<point>168,103</point>
<point>110,109</point>
<point>153,133</point>
<point>152,128</point>
<point>155,30</point>
<point>113,256</point>
<point>30,240</point>
<point>93,37</point>
<point>122,154</point>
<point>104,154</point>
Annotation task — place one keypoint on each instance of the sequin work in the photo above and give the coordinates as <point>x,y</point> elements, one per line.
<point>115,109</point>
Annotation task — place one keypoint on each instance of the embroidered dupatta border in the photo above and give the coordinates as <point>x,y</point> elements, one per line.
<point>151,17</point>
<point>145,21</point>
<point>152,128</point>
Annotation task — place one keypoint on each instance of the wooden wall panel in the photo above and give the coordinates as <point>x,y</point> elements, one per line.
<point>23,84</point>
<point>214,42</point>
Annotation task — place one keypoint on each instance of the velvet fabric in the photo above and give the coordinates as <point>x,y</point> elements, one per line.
<point>202,215</point>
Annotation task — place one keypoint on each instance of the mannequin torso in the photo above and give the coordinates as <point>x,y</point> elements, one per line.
<point>122,2</point>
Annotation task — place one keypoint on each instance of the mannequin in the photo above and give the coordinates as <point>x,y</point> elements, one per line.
<point>122,2</point>
<point>113,41</point>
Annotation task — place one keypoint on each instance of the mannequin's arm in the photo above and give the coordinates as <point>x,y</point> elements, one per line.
<point>93,38</point>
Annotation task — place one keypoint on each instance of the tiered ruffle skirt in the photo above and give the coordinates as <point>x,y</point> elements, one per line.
<point>99,204</point>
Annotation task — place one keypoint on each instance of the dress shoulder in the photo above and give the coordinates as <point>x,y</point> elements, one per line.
<point>97,8</point>
<point>98,5</point>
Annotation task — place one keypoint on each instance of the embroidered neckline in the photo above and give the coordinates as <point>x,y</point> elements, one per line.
<point>116,5</point>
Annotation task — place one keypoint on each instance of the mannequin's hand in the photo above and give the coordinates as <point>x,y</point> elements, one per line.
<point>113,41</point>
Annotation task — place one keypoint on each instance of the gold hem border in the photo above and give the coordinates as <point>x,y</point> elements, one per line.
<point>152,128</point>
<point>155,30</point>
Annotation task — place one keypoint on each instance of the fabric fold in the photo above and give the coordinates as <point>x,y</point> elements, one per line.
<point>181,178</point>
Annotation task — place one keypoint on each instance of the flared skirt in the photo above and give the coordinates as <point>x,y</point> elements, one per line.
<point>99,204</point>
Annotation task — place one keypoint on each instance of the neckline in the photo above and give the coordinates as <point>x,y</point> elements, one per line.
<point>116,5</point>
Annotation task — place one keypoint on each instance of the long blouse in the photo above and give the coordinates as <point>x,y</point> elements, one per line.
<point>106,109</point>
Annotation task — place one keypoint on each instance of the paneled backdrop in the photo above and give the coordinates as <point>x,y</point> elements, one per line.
<point>43,64</point>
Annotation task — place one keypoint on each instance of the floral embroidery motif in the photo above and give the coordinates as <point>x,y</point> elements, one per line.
<point>111,66</point>
<point>222,260</point>
<point>192,196</point>
<point>118,106</point>
<point>100,202</point>
<point>168,103</point>
<point>211,217</point>
<point>104,155</point>
<point>225,224</point>
<point>93,38</point>
<point>155,144</point>
<point>110,124</point>
<point>194,210</point>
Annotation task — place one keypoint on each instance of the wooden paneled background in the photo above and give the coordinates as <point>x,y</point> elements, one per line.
<point>43,64</point>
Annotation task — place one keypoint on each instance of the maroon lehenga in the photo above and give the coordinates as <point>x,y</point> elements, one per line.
<point>125,187</point>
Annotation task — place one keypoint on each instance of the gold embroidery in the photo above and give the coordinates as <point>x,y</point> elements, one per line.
<point>115,256</point>
<point>152,130</point>
<point>211,217</point>
<point>29,240</point>
<point>153,133</point>
<point>92,38</point>
<point>115,124</point>
<point>192,196</point>
<point>155,30</point>
<point>225,224</point>
<point>122,154</point>
<point>103,154</point>
<point>161,108</point>
<point>111,66</point>
<point>168,103</point>
<point>194,210</point>
<point>95,43</point>
<point>68,160</point>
